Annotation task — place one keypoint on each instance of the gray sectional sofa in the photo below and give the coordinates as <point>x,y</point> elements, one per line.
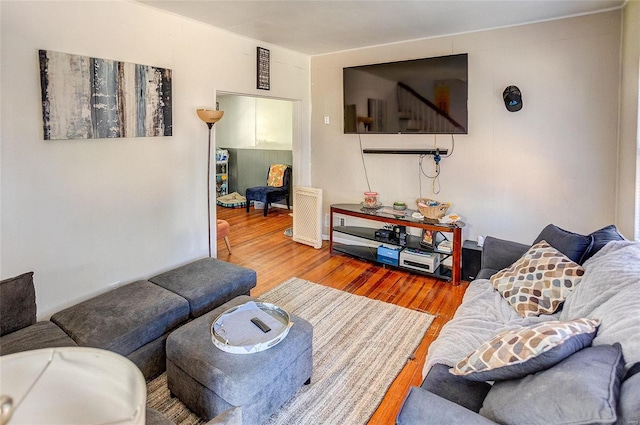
<point>133,320</point>
<point>590,376</point>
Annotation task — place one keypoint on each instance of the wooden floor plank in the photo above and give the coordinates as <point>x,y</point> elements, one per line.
<point>260,243</point>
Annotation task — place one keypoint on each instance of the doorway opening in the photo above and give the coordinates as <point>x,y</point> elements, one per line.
<point>255,132</point>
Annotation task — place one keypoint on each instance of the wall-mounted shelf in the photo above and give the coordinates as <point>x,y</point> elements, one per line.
<point>407,151</point>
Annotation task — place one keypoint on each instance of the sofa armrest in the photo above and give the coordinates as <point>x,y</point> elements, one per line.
<point>499,253</point>
<point>424,407</point>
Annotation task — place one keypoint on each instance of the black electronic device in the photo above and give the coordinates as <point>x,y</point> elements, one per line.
<point>471,260</point>
<point>259,323</point>
<point>400,233</point>
<point>384,235</point>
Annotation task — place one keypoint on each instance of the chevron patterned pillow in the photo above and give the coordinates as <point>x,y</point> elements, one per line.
<point>539,281</point>
<point>519,352</point>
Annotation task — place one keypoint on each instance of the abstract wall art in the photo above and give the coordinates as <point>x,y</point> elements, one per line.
<point>90,98</point>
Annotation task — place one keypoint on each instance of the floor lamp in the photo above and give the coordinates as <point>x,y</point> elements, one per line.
<point>209,116</point>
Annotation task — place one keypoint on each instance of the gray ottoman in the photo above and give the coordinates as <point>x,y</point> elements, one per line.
<point>209,381</point>
<point>207,283</point>
<point>132,320</point>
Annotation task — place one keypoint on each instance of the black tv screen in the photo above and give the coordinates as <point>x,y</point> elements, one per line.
<point>420,96</point>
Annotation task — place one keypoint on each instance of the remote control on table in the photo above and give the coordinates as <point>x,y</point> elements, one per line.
<point>259,323</point>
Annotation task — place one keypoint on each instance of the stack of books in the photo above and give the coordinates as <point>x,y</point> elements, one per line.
<point>445,246</point>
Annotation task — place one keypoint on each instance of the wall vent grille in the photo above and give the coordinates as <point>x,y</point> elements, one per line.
<point>307,216</point>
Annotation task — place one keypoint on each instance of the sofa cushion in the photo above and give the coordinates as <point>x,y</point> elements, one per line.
<point>207,283</point>
<point>500,253</point>
<point>467,393</point>
<point>539,281</point>
<point>629,402</point>
<point>17,303</point>
<point>124,319</point>
<point>43,334</point>
<point>519,352</point>
<point>601,238</point>
<point>582,389</point>
<point>424,407</point>
<point>571,244</point>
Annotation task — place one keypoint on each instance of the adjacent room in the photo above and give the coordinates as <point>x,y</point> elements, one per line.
<point>372,212</point>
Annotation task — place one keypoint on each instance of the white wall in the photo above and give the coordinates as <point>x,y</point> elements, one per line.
<point>255,123</point>
<point>83,214</point>
<point>628,210</point>
<point>555,161</point>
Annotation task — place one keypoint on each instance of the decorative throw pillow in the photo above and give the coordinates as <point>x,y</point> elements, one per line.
<point>582,389</point>
<point>571,244</point>
<point>601,238</point>
<point>518,352</point>
<point>539,281</point>
<point>276,175</point>
<point>17,303</point>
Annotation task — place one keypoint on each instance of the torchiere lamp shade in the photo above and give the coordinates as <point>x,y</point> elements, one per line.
<point>210,116</point>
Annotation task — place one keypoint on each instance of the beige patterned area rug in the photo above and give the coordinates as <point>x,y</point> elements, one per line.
<point>359,347</point>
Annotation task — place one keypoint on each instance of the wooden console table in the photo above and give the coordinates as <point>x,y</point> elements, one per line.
<point>367,233</point>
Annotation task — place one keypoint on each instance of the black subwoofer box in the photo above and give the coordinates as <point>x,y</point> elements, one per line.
<point>471,257</point>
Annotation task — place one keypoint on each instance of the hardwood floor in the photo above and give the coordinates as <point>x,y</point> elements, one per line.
<point>259,243</point>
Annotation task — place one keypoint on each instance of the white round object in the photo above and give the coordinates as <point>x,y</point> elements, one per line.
<point>73,385</point>
<point>233,331</point>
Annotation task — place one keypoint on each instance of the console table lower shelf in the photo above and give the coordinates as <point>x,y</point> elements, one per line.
<point>370,254</point>
<point>399,248</point>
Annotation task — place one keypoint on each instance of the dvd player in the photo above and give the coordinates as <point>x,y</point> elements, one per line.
<point>419,260</point>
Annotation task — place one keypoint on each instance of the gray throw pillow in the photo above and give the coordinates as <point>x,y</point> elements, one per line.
<point>582,389</point>
<point>601,238</point>
<point>573,245</point>
<point>17,303</point>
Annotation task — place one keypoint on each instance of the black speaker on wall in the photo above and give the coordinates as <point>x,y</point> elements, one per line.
<point>471,258</point>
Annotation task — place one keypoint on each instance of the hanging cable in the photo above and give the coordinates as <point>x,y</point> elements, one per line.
<point>435,185</point>
<point>364,166</point>
<point>435,179</point>
<point>453,146</point>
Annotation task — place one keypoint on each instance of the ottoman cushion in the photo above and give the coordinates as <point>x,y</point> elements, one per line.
<point>124,319</point>
<point>43,334</point>
<point>207,283</point>
<point>240,379</point>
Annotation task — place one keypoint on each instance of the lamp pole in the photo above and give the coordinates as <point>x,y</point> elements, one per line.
<point>210,117</point>
<point>210,125</point>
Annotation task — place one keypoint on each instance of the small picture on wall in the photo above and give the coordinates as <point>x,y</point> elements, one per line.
<point>427,239</point>
<point>264,63</point>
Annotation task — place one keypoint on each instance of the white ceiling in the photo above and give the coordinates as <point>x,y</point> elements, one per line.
<point>324,26</point>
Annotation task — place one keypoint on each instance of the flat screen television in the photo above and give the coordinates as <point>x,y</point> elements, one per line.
<point>420,96</point>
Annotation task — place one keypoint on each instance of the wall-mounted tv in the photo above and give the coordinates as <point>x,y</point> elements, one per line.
<point>420,96</point>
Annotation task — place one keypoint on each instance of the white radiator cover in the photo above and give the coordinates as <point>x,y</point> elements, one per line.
<point>307,216</point>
